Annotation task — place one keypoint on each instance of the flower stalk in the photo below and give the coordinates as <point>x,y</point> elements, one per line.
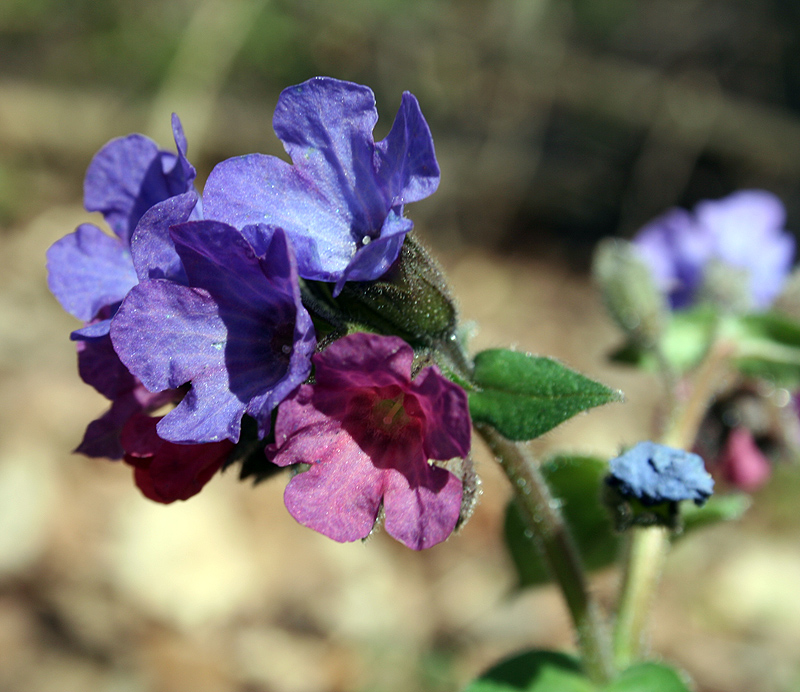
<point>550,533</point>
<point>647,547</point>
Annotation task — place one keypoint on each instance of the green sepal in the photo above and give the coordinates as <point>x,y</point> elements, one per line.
<point>575,482</point>
<point>524,396</point>
<point>411,300</point>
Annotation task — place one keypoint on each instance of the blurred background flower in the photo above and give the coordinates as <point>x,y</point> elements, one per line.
<point>556,123</point>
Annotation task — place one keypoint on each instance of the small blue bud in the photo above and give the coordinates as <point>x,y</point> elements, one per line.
<point>652,474</point>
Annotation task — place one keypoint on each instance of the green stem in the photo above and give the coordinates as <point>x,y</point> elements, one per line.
<point>647,547</point>
<point>544,520</point>
<point>646,551</point>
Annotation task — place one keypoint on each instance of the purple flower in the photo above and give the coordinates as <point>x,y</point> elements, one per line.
<point>653,473</point>
<point>368,432</point>
<point>136,187</point>
<point>89,270</point>
<point>237,332</point>
<point>341,203</point>
<point>743,230</point>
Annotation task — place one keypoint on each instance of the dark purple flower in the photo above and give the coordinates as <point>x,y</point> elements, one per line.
<point>164,471</point>
<point>368,432</point>
<point>743,231</point>
<point>341,203</point>
<point>653,473</point>
<point>238,332</point>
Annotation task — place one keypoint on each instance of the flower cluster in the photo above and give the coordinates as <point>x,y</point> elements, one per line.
<point>740,237</point>
<point>204,305</point>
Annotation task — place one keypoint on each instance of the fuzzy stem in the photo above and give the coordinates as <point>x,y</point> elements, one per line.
<point>647,546</point>
<point>543,518</point>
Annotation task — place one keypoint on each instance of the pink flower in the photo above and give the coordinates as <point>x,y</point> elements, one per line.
<point>165,471</point>
<point>741,463</point>
<point>368,431</point>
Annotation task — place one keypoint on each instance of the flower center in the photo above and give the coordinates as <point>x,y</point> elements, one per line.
<point>390,414</point>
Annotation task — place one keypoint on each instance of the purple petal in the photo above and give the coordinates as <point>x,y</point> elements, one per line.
<point>406,158</point>
<point>125,179</point>
<point>102,437</point>
<point>258,189</point>
<point>747,228</point>
<point>183,174</point>
<point>374,259</point>
<point>364,360</point>
<point>100,366</point>
<point>154,254</point>
<point>94,330</point>
<point>243,340</point>
<point>421,511</point>
<point>326,128</point>
<point>89,270</point>
<point>448,428</point>
<point>168,335</point>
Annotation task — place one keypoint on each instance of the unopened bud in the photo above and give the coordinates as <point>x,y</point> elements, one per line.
<point>629,291</point>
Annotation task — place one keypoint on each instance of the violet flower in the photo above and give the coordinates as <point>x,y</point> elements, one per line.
<point>341,203</point>
<point>238,332</point>
<point>744,231</point>
<point>368,431</point>
<point>130,180</point>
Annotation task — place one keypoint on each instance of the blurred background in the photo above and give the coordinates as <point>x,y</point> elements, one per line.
<point>556,122</point>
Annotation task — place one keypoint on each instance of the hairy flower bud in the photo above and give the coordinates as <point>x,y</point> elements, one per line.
<point>629,291</point>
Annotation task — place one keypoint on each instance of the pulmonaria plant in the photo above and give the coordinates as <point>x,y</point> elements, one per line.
<point>288,319</point>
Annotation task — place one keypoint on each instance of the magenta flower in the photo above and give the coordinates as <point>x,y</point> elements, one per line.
<point>742,464</point>
<point>368,432</point>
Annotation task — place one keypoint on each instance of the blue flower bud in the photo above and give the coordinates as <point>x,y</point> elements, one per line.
<point>652,474</point>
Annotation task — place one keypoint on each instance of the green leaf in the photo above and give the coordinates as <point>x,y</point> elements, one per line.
<point>685,341</point>
<point>575,482</point>
<point>718,508</point>
<point>524,396</point>
<point>767,346</point>
<point>551,671</point>
<point>534,671</point>
<point>648,677</point>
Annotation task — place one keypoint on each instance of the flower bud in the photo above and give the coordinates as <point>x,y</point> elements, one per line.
<point>412,300</point>
<point>629,291</point>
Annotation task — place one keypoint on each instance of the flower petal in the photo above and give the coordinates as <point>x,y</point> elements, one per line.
<point>448,429</point>
<point>89,270</point>
<point>422,511</point>
<point>152,249</point>
<point>258,189</point>
<point>364,360</point>
<point>167,472</point>
<point>407,163</point>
